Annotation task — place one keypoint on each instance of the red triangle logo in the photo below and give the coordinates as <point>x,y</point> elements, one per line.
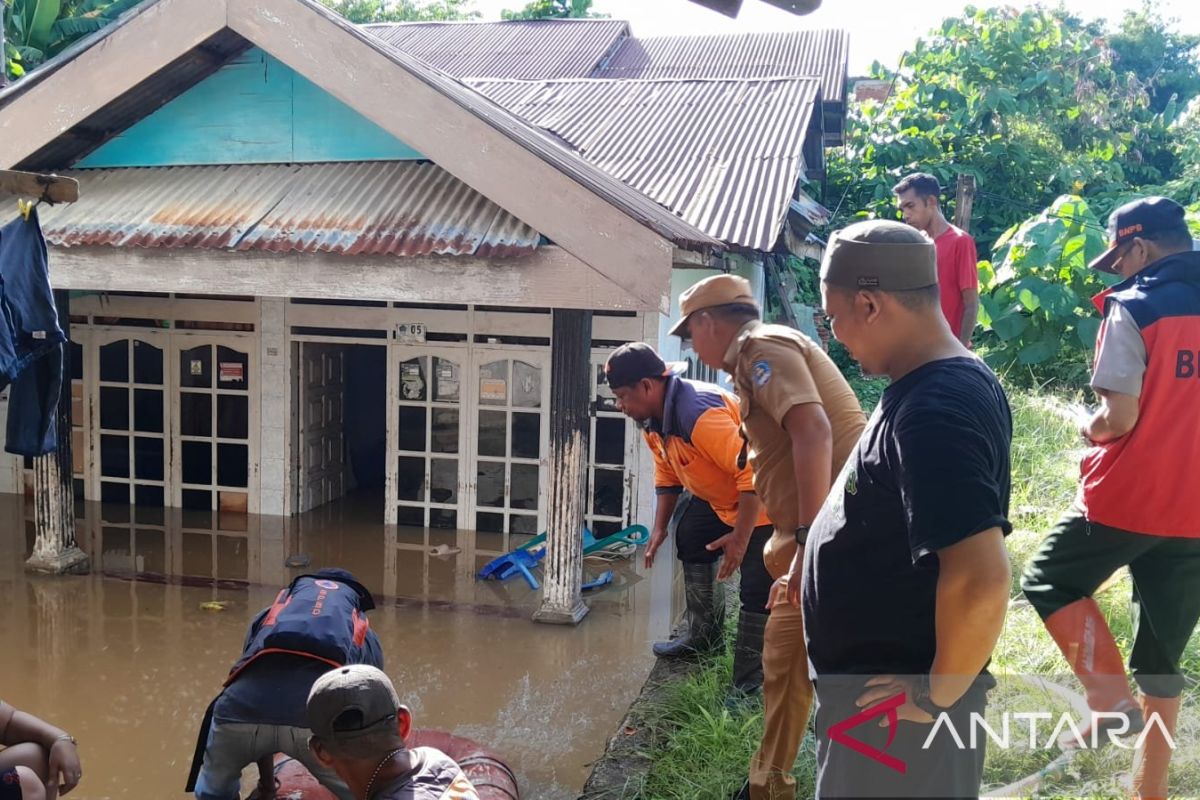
<point>838,732</point>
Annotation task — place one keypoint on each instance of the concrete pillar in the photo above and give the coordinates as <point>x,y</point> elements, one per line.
<point>54,546</point>
<point>570,365</point>
<point>274,390</point>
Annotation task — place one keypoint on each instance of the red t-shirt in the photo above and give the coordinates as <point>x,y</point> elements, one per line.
<point>957,271</point>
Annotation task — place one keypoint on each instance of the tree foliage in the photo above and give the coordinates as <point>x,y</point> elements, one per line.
<point>1035,104</point>
<point>552,9</point>
<point>366,11</point>
<point>1035,300</point>
<point>35,30</point>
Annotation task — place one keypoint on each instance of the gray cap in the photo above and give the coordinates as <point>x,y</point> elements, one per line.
<point>352,710</point>
<point>880,254</point>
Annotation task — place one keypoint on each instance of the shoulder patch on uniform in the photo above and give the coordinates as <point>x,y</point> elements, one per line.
<point>761,373</point>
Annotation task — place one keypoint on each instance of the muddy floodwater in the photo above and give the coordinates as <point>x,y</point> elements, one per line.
<point>128,657</point>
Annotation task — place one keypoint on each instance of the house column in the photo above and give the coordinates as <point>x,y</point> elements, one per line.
<point>570,364</point>
<point>54,546</point>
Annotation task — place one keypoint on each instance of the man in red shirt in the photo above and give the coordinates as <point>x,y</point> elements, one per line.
<point>958,275</point>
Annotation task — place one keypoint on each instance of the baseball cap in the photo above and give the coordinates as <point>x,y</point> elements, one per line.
<point>635,361</point>
<point>1139,218</point>
<point>352,710</point>
<point>880,254</point>
<point>719,290</point>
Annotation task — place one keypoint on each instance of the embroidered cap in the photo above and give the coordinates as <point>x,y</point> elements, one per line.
<point>880,254</point>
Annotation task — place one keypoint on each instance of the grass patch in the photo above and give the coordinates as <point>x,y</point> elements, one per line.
<point>701,751</point>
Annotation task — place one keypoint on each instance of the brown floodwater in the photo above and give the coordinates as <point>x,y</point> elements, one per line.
<point>127,659</point>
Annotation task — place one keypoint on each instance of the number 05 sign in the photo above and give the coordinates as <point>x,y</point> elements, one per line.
<point>411,332</point>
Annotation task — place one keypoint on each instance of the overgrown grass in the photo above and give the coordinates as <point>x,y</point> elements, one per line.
<point>702,751</point>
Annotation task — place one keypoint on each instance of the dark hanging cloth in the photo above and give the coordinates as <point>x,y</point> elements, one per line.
<point>31,340</point>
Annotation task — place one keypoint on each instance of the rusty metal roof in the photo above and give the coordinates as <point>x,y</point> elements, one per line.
<point>725,155</point>
<point>526,49</point>
<point>191,67</point>
<point>813,53</point>
<point>376,208</point>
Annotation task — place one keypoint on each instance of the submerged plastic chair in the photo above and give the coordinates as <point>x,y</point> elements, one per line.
<point>525,558</point>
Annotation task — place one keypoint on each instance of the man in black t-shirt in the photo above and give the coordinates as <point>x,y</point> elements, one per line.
<point>906,577</point>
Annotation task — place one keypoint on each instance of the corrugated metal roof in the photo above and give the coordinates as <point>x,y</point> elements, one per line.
<point>725,155</point>
<point>819,53</point>
<point>392,208</point>
<point>547,48</point>
<point>75,142</point>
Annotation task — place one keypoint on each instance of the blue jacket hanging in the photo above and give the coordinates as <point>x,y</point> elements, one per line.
<point>31,340</point>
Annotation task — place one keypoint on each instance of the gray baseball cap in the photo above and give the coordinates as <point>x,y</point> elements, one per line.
<point>880,254</point>
<point>353,709</point>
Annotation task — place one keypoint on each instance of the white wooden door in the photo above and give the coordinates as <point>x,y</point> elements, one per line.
<point>427,415</point>
<point>130,405</point>
<point>510,443</point>
<point>216,426</point>
<point>322,424</point>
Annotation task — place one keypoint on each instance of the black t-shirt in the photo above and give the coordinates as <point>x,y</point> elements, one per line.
<point>931,469</point>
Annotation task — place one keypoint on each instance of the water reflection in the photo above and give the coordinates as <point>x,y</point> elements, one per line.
<point>127,658</point>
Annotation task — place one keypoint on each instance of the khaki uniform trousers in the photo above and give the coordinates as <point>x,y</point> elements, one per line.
<point>787,701</point>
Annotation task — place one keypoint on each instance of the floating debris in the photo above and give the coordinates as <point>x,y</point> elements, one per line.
<point>298,560</point>
<point>213,605</point>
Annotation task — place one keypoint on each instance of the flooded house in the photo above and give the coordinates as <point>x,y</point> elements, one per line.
<point>318,265</point>
<point>323,283</point>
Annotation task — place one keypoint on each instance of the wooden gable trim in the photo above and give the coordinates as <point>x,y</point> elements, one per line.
<point>157,36</point>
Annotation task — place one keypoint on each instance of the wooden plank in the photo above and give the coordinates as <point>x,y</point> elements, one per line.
<point>551,277</point>
<point>160,33</point>
<point>964,199</point>
<point>36,186</point>
<point>165,308</point>
<point>331,54</point>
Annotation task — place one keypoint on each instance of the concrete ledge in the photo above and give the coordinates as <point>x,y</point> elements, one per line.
<point>620,773</point>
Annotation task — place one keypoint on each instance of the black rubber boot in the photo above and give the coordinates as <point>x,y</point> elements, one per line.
<point>704,617</point>
<point>747,656</point>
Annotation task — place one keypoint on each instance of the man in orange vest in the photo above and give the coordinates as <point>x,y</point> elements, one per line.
<point>1136,502</point>
<point>692,428</point>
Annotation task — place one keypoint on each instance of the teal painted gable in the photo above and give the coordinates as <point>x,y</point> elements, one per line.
<point>254,110</point>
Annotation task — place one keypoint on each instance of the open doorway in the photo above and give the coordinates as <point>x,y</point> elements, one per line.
<point>340,429</point>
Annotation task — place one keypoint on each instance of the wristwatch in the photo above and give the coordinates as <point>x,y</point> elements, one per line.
<point>923,701</point>
<point>801,535</point>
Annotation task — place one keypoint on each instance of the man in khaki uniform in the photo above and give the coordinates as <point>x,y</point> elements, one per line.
<point>800,420</point>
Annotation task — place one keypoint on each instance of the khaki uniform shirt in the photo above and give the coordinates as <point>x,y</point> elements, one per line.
<point>775,368</point>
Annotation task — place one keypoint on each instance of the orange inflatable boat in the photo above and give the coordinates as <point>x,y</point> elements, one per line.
<point>490,776</point>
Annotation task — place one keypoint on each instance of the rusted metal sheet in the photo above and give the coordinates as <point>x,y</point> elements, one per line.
<point>723,154</point>
<point>365,208</point>
<point>819,53</point>
<point>549,48</point>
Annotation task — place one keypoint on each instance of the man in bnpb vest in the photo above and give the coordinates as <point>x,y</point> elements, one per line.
<point>692,430</point>
<point>1136,504</point>
<point>800,420</point>
<point>316,624</point>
